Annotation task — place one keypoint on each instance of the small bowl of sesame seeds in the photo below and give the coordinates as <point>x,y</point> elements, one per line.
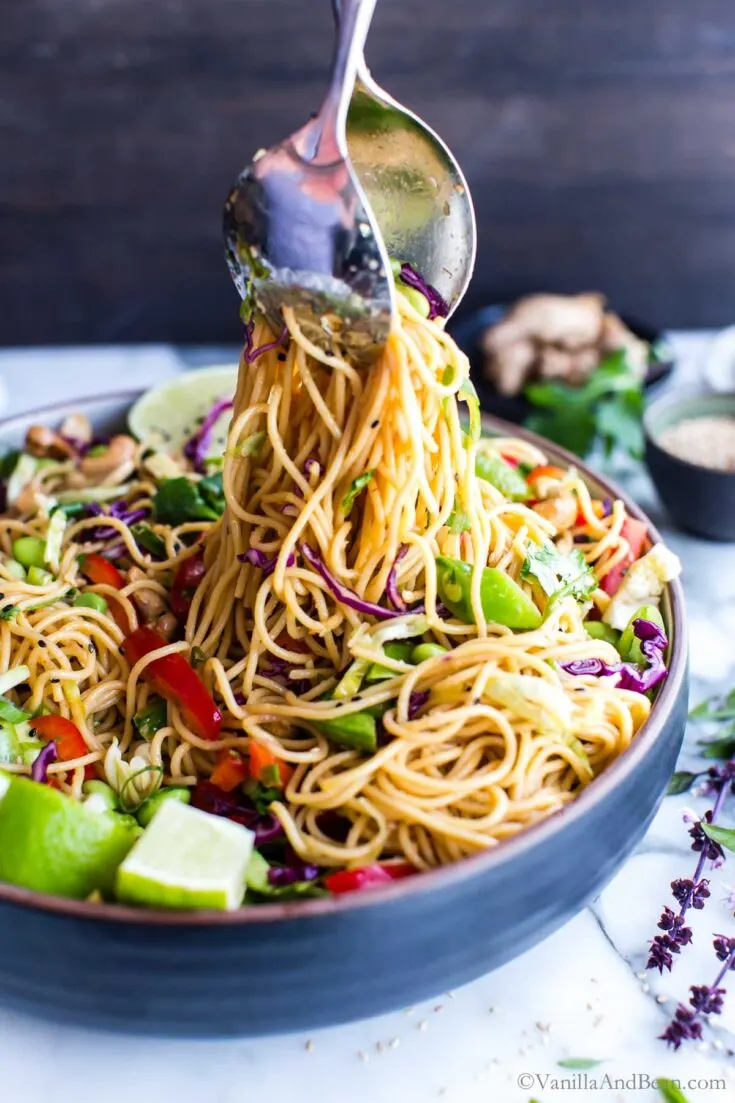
<point>690,451</point>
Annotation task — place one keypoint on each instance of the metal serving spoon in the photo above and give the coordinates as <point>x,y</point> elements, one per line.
<point>298,231</point>
<point>414,185</point>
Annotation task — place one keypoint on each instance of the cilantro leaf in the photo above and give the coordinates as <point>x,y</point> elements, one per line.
<point>151,719</point>
<point>149,540</point>
<point>179,500</point>
<point>558,573</point>
<point>8,612</point>
<point>356,487</point>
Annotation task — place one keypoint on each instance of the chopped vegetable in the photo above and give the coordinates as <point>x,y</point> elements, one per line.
<point>531,698</point>
<point>147,539</point>
<point>653,644</point>
<point>342,594</point>
<point>11,714</point>
<point>502,475</point>
<point>357,730</point>
<point>349,684</point>
<point>635,533</point>
<point>90,601</point>
<point>42,761</point>
<point>180,500</point>
<point>15,569</point>
<point>187,578</point>
<point>198,446</point>
<point>469,394</point>
<point>252,445</point>
<point>24,471</point>
<point>230,772</point>
<point>30,551</point>
<point>149,807</point>
<point>643,584</point>
<point>356,487</point>
<point>503,601</point>
<point>458,522</point>
<point>15,677</point>
<point>630,647</point>
<point>173,678</point>
<point>598,630</point>
<point>396,649</point>
<point>64,733</point>
<point>425,651</point>
<point>152,718</point>
<point>54,539</point>
<point>99,570</point>
<point>266,767</point>
<point>368,877</point>
<point>38,577</point>
<point>409,277</point>
<point>559,574</point>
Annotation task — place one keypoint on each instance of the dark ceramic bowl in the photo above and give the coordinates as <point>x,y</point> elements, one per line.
<point>284,967</point>
<point>468,331</point>
<point>699,499</point>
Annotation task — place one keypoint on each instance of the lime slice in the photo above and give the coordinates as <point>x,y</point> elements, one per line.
<point>171,413</point>
<point>51,843</point>
<point>187,859</point>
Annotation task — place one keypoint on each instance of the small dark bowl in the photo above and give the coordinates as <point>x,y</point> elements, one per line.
<point>699,499</point>
<point>298,966</point>
<point>467,332</point>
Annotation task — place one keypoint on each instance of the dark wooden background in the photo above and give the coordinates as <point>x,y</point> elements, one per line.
<point>598,138</point>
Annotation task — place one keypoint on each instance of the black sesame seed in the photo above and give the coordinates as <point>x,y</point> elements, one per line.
<point>91,647</point>
<point>282,356</point>
<point>42,643</point>
<point>375,424</point>
<point>2,596</point>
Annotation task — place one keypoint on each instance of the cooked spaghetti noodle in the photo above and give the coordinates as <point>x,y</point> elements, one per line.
<point>319,619</point>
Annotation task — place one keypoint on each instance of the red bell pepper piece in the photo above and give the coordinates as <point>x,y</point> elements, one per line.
<point>368,877</point>
<point>635,533</point>
<point>101,571</point>
<point>175,680</point>
<point>67,737</point>
<point>267,768</point>
<point>231,770</point>
<point>185,582</point>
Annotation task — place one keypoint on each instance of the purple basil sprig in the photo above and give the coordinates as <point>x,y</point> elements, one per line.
<point>704,999</point>
<point>688,893</point>
<point>198,445</point>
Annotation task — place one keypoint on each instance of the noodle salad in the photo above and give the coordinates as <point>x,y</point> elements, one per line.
<point>364,642</point>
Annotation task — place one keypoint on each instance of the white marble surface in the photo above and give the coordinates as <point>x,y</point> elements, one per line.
<point>582,993</point>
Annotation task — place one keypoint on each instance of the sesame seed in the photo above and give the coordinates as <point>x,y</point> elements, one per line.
<point>309,1046</point>
<point>641,976</point>
<point>646,988</point>
<point>375,424</point>
<point>662,999</point>
<point>281,357</point>
<point>42,643</point>
<point>492,1010</point>
<point>439,1007</point>
<point>394,1043</point>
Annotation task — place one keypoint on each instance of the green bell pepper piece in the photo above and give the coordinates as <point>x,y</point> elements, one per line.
<point>503,601</point>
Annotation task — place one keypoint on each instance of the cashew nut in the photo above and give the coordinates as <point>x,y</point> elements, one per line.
<point>119,455</point>
<point>42,441</point>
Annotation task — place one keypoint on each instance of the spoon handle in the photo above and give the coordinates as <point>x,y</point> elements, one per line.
<point>323,140</point>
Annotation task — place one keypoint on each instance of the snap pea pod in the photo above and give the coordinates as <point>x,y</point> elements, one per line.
<point>598,630</point>
<point>424,651</point>
<point>503,476</point>
<point>630,646</point>
<point>90,601</point>
<point>394,650</point>
<point>357,730</point>
<point>503,601</point>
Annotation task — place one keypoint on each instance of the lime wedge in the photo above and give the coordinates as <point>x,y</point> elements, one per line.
<point>171,413</point>
<point>51,843</point>
<point>187,859</point>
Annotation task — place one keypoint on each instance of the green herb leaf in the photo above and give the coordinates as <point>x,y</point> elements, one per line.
<point>261,796</point>
<point>670,1092</point>
<point>559,573</point>
<point>725,836</point>
<point>356,487</point>
<point>151,719</point>
<point>680,783</point>
<point>212,491</point>
<point>8,463</point>
<point>723,748</point>
<point>149,540</point>
<point>180,500</point>
<point>8,612</point>
<point>578,1063</point>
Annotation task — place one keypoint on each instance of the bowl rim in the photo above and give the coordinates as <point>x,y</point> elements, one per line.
<point>676,399</point>
<point>444,877</point>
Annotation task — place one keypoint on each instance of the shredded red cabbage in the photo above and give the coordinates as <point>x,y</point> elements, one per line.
<point>343,595</point>
<point>257,558</point>
<point>120,510</point>
<point>391,583</point>
<point>312,462</point>
<point>252,354</point>
<point>41,763</point>
<point>279,876</point>
<point>653,645</point>
<point>197,447</point>
<point>437,306</point>
<point>416,702</point>
<point>238,808</point>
